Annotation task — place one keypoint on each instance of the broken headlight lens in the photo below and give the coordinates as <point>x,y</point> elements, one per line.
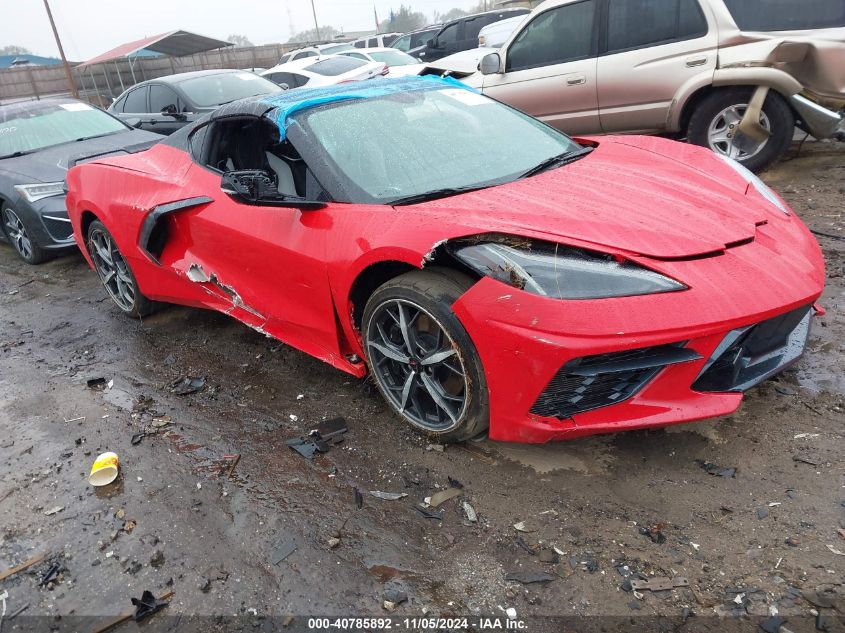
<point>560,272</point>
<point>40,190</point>
<point>752,179</point>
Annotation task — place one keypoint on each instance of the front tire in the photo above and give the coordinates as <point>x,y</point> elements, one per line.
<point>422,358</point>
<point>19,236</point>
<point>115,273</point>
<point>715,119</point>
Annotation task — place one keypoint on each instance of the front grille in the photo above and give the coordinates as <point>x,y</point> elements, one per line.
<point>748,356</point>
<point>592,382</point>
<point>59,229</point>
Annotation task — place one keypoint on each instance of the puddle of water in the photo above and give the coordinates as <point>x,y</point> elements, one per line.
<point>589,456</point>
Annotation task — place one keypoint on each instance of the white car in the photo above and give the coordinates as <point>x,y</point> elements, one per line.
<point>323,71</point>
<point>320,50</point>
<point>496,34</point>
<point>399,64</point>
<point>376,41</point>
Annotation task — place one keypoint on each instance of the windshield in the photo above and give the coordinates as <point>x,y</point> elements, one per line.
<point>393,58</point>
<point>217,89</point>
<point>30,127</point>
<point>336,48</point>
<point>381,149</point>
<point>334,66</point>
<point>786,15</point>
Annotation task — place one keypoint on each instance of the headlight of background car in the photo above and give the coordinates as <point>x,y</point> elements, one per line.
<point>40,190</point>
<point>560,272</point>
<point>752,179</point>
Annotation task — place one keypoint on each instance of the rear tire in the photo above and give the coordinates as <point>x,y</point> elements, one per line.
<point>19,236</point>
<point>114,272</point>
<point>713,117</point>
<point>429,370</point>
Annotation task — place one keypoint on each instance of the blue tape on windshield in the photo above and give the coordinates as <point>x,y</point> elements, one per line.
<point>286,104</point>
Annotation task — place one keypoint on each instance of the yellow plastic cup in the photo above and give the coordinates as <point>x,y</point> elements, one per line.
<point>104,470</point>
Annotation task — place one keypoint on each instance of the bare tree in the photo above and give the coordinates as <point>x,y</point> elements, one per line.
<point>11,49</point>
<point>239,40</point>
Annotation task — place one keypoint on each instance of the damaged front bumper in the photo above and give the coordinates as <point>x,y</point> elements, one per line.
<point>818,120</point>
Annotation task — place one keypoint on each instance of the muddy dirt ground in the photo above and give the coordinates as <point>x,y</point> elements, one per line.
<point>765,541</point>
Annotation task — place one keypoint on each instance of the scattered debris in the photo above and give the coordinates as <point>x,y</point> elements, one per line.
<point>137,438</point>
<point>427,513</point>
<point>333,542</point>
<point>283,550</point>
<point>235,459</point>
<point>97,384</point>
<point>527,577</point>
<point>470,513</point>
<point>187,385</point>
<point>454,483</point>
<point>522,544</point>
<point>655,533</point>
<point>104,470</point>
<point>520,527</point>
<point>807,458</point>
<point>444,495</point>
<point>659,583</point>
<point>435,447</point>
<point>359,499</point>
<point>161,421</point>
<point>772,624</point>
<point>157,559</point>
<point>793,542</point>
<point>548,556</point>
<point>54,510</point>
<point>307,446</point>
<point>147,605</point>
<point>330,430</point>
<point>50,575</point>
<point>762,513</point>
<point>392,598</point>
<point>835,551</point>
<point>714,469</point>
<point>388,496</point>
<point>805,436</point>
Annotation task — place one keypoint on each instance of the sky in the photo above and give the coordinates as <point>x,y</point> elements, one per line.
<point>90,27</point>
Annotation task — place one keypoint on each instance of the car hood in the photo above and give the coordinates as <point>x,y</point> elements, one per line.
<point>460,64</point>
<point>641,195</point>
<point>51,164</point>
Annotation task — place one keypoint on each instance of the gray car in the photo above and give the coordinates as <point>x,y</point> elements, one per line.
<point>39,142</point>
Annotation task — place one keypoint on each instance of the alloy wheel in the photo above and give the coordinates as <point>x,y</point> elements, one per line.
<point>113,269</point>
<point>16,231</point>
<point>418,366</point>
<point>723,129</point>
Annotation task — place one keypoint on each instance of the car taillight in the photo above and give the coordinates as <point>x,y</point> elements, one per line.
<point>385,70</point>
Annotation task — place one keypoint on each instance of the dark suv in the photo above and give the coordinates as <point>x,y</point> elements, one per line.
<point>462,34</point>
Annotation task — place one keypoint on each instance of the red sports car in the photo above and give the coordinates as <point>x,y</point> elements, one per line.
<point>490,273</point>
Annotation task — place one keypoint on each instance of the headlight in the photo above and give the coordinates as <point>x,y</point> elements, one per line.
<point>41,190</point>
<point>752,179</point>
<point>559,272</point>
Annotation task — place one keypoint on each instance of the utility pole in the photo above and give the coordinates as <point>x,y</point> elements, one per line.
<point>314,11</point>
<point>68,74</point>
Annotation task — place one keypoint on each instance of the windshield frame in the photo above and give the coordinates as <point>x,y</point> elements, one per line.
<point>343,189</point>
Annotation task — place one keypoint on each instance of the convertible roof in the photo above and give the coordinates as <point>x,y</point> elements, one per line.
<point>281,106</point>
<point>175,43</point>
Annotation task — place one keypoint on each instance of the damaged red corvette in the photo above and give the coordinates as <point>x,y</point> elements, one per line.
<point>491,273</point>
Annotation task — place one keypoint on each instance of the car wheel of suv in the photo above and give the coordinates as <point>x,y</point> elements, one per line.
<point>115,273</point>
<point>20,237</point>
<point>422,358</point>
<point>714,122</point>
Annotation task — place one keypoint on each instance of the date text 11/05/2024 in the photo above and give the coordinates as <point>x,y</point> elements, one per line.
<point>417,624</point>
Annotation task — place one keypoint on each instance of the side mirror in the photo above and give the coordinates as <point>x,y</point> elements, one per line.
<point>170,110</point>
<point>256,186</point>
<point>284,86</point>
<point>491,64</point>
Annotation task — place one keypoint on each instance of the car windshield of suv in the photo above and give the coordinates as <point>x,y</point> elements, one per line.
<point>787,15</point>
<point>217,89</point>
<point>31,127</point>
<point>420,144</point>
<point>393,58</point>
<point>334,66</point>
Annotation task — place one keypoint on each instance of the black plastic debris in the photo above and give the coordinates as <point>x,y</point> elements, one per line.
<point>187,384</point>
<point>454,483</point>
<point>655,533</point>
<point>50,575</point>
<point>359,498</point>
<point>136,439</point>
<point>330,430</point>
<point>824,623</point>
<point>525,546</point>
<point>762,513</point>
<point>97,384</point>
<point>807,458</point>
<point>714,469</point>
<point>283,550</point>
<point>307,446</point>
<point>428,514</point>
<point>147,605</point>
<point>772,624</point>
<point>529,577</point>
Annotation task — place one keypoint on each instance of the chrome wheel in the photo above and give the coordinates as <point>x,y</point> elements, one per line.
<point>112,268</point>
<point>16,231</point>
<point>723,128</point>
<point>417,365</point>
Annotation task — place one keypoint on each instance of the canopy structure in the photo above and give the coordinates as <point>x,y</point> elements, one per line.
<point>175,43</point>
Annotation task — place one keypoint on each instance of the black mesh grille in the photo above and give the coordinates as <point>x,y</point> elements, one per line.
<point>59,230</point>
<point>592,382</point>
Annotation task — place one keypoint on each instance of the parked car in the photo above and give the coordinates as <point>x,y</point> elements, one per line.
<point>376,41</point>
<point>415,42</point>
<point>488,271</point>
<point>38,141</point>
<point>324,71</point>
<point>168,103</point>
<point>462,34</point>
<point>314,51</point>
<point>399,64</point>
<point>732,75</point>
<point>497,33</point>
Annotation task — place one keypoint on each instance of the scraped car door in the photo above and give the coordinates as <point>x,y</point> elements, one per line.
<point>654,48</point>
<point>550,68</point>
